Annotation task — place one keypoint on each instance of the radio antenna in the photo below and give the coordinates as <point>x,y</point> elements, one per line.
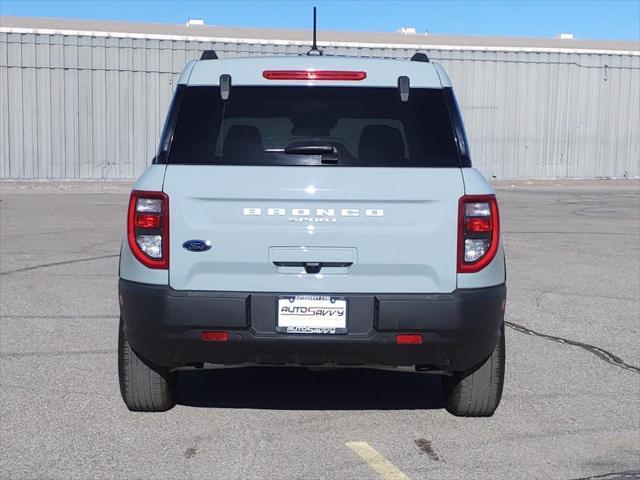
<point>314,48</point>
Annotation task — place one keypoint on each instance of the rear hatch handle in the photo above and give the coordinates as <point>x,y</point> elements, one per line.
<point>313,267</point>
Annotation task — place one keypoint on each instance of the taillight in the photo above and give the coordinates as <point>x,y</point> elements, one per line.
<point>478,232</point>
<point>148,228</point>
<point>314,75</point>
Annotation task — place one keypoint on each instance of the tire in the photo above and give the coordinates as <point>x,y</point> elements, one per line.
<point>477,393</point>
<point>144,388</point>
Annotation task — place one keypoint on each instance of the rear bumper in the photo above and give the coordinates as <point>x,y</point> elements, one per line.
<point>459,329</point>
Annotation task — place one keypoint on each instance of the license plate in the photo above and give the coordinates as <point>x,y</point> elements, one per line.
<point>312,314</point>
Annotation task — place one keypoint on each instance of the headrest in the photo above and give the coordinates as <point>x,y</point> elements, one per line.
<point>243,142</point>
<point>381,145</point>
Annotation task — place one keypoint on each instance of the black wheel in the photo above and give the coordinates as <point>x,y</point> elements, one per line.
<point>477,393</point>
<point>144,388</point>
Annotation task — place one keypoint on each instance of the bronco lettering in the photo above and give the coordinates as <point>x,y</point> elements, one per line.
<point>307,212</point>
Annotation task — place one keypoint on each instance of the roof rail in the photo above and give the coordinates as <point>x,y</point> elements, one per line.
<point>209,55</point>
<point>420,57</point>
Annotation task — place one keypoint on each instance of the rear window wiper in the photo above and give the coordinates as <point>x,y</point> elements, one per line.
<point>328,153</point>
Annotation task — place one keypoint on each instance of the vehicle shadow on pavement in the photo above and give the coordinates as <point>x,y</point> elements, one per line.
<point>277,388</point>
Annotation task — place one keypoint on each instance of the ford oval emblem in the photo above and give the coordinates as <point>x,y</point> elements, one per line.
<point>197,245</point>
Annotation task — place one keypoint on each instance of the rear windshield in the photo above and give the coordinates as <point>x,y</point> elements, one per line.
<point>354,126</point>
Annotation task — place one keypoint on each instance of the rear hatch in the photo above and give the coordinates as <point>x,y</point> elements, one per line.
<point>313,190</point>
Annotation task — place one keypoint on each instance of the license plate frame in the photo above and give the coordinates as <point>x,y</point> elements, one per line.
<point>304,321</point>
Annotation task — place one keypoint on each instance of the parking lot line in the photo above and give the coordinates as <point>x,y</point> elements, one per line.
<point>377,462</point>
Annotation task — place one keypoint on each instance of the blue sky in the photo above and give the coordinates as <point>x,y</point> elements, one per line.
<point>597,19</point>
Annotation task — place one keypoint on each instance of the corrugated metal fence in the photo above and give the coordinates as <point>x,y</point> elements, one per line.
<point>80,106</point>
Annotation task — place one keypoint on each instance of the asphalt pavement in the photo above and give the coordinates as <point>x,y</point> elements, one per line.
<point>570,409</point>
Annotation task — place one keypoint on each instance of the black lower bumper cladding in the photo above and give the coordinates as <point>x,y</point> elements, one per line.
<point>459,329</point>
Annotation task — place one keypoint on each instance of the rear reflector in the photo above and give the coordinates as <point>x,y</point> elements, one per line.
<point>214,336</point>
<point>313,75</point>
<point>409,339</point>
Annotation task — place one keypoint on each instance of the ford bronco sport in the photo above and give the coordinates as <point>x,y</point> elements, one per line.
<point>313,211</point>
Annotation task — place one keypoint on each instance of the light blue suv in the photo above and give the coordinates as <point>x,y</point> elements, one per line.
<point>313,211</point>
